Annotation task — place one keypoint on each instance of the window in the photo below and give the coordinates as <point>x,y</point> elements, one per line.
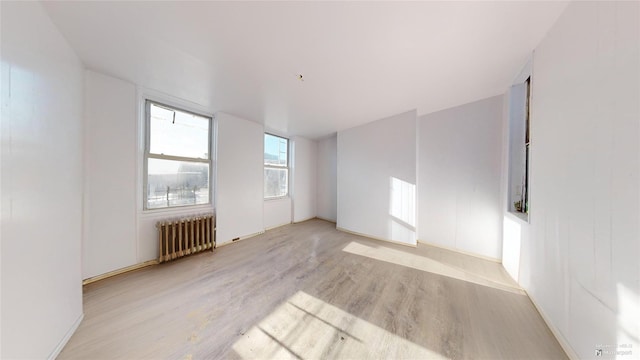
<point>527,142</point>
<point>276,166</point>
<point>519,147</point>
<point>177,157</point>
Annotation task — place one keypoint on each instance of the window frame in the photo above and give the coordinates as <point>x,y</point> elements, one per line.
<point>519,148</point>
<point>280,167</point>
<point>527,147</point>
<point>147,154</point>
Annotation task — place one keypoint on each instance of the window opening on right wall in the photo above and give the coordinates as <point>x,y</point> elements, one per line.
<point>519,147</point>
<point>527,143</point>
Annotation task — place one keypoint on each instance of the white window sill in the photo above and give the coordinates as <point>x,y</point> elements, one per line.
<point>524,217</point>
<point>179,209</point>
<point>277,198</point>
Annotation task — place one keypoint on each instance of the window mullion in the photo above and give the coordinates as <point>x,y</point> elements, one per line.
<point>177,158</point>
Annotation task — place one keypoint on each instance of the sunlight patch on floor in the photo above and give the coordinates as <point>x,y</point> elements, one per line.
<point>422,263</point>
<point>307,327</point>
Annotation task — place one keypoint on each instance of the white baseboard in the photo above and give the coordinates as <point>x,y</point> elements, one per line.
<point>240,239</point>
<point>303,220</point>
<point>54,354</point>
<point>376,238</point>
<point>119,271</point>
<point>556,332</point>
<point>277,226</point>
<point>484,257</point>
<point>325,219</point>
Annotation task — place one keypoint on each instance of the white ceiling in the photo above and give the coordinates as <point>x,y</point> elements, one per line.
<point>361,61</point>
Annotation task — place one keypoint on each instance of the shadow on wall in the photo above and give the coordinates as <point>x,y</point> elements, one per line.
<point>402,211</point>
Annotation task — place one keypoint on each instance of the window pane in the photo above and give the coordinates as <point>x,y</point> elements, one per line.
<point>178,133</point>
<point>275,150</point>
<point>275,182</point>
<point>176,183</point>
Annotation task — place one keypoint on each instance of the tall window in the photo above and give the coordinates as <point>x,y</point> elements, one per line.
<point>177,157</point>
<point>519,147</point>
<point>527,142</point>
<point>276,166</point>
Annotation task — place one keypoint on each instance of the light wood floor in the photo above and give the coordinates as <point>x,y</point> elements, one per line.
<point>310,291</point>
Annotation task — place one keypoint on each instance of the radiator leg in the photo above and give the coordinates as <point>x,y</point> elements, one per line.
<point>173,240</point>
<point>180,227</point>
<point>160,257</point>
<point>166,243</point>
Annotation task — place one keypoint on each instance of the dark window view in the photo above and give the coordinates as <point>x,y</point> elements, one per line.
<point>276,166</point>
<point>527,142</point>
<point>178,159</point>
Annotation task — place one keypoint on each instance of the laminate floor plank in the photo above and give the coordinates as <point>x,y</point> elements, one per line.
<point>309,291</point>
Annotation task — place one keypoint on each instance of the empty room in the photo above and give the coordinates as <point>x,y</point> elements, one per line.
<point>320,180</point>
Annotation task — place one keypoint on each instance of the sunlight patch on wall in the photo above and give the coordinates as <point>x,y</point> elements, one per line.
<point>307,327</point>
<point>402,211</point>
<point>628,338</point>
<point>512,238</point>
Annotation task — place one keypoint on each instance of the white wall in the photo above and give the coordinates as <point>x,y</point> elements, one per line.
<point>115,114</point>
<point>110,177</point>
<point>459,154</point>
<point>240,185</point>
<point>277,212</point>
<point>377,179</point>
<point>326,183</point>
<point>114,146</point>
<point>304,178</point>
<point>579,256</point>
<point>42,102</point>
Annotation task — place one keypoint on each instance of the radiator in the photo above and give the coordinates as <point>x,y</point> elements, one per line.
<point>178,238</point>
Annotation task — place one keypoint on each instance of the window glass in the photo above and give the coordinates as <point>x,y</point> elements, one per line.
<point>275,150</point>
<point>276,166</point>
<point>178,133</point>
<point>275,182</point>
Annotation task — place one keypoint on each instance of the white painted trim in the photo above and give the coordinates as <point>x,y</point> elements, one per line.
<point>276,198</point>
<point>555,331</point>
<point>525,72</point>
<point>303,220</point>
<point>142,95</point>
<point>325,219</point>
<point>58,349</point>
<point>119,271</point>
<point>148,155</point>
<point>275,227</point>
<point>375,238</point>
<point>521,218</point>
<point>483,257</point>
<point>178,210</point>
<point>240,239</point>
